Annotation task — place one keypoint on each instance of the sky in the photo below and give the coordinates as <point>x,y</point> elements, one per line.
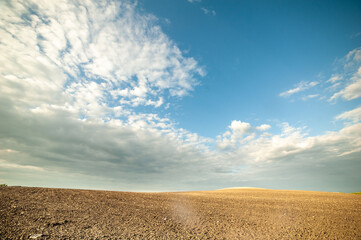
<point>181,95</point>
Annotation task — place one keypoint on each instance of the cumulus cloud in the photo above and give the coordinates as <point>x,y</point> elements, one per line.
<point>263,127</point>
<point>292,144</point>
<point>239,127</point>
<point>293,155</point>
<point>239,133</point>
<point>302,86</point>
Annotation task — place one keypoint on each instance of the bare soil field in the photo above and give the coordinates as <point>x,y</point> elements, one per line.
<point>45,213</point>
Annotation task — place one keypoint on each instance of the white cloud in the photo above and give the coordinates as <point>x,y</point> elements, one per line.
<point>86,46</point>
<point>302,86</point>
<point>292,143</point>
<point>310,96</point>
<point>352,115</point>
<point>335,78</point>
<point>5,164</point>
<point>353,56</point>
<point>240,133</point>
<point>263,127</point>
<point>239,127</point>
<point>352,89</point>
<point>293,156</point>
<point>355,35</point>
<point>344,83</point>
<point>208,11</point>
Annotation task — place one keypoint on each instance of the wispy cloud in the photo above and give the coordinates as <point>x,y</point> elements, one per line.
<point>350,86</point>
<point>344,83</point>
<point>302,86</point>
<point>335,78</point>
<point>208,11</point>
<point>355,35</point>
<point>352,115</point>
<point>5,164</point>
<point>352,90</point>
<point>205,10</point>
<point>310,96</point>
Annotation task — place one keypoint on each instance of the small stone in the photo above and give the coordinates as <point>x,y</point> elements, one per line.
<point>35,236</point>
<point>165,219</point>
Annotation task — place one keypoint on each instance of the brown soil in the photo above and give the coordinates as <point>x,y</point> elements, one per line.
<point>222,214</point>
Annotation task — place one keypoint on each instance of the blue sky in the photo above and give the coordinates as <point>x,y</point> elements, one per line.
<point>252,51</point>
<point>181,95</point>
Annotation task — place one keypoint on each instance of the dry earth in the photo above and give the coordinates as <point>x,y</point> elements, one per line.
<point>44,213</point>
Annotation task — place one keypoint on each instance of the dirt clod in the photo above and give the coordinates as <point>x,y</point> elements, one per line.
<point>35,236</point>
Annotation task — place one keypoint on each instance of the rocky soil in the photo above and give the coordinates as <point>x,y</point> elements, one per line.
<point>44,213</point>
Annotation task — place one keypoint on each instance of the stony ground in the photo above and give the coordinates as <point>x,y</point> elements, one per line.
<point>43,213</point>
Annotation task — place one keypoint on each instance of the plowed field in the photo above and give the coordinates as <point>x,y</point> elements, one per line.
<point>44,213</point>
